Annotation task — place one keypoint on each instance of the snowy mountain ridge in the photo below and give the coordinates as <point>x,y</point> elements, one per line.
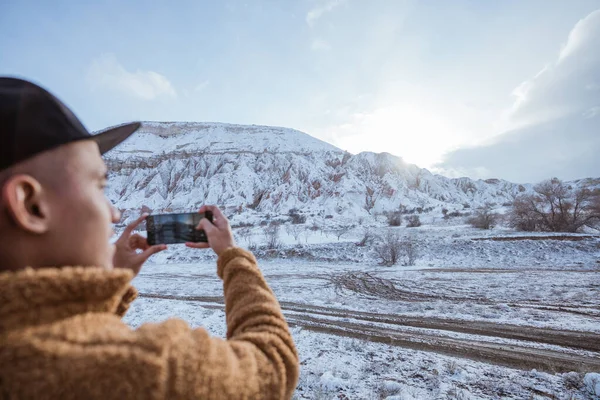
<point>178,166</point>
<point>209,137</point>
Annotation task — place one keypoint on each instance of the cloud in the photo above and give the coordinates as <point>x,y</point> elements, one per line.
<point>319,45</point>
<point>106,72</point>
<point>567,149</point>
<point>323,8</point>
<point>552,127</point>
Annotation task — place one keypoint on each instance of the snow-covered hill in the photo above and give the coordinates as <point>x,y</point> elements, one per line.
<point>158,138</point>
<point>170,167</point>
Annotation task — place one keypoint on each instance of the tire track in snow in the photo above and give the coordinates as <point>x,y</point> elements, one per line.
<point>319,319</point>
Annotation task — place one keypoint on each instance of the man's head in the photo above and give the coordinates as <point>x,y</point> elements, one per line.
<point>53,211</point>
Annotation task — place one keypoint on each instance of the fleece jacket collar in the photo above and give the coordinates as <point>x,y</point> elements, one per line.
<point>40,296</point>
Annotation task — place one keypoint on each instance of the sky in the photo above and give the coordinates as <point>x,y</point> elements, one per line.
<point>483,89</point>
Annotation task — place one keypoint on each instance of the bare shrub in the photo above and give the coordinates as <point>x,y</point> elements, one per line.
<point>343,230</point>
<point>555,207</point>
<point>367,237</point>
<point>410,251</point>
<point>354,345</point>
<point>394,218</point>
<point>296,217</point>
<point>386,389</point>
<point>523,215</point>
<point>295,231</point>
<point>388,251</point>
<point>242,225</point>
<point>454,393</point>
<point>305,235</point>
<point>272,235</point>
<point>453,214</point>
<point>394,249</point>
<point>484,218</point>
<point>451,367</point>
<point>245,234</point>
<point>413,221</point>
<point>572,380</point>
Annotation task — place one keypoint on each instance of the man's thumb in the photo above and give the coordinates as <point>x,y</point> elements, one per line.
<point>152,250</point>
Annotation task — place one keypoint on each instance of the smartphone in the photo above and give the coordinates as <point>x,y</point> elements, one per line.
<point>176,228</point>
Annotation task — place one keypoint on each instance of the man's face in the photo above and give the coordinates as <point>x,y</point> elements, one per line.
<point>80,214</point>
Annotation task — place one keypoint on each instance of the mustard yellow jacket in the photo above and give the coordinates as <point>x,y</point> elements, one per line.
<point>62,337</point>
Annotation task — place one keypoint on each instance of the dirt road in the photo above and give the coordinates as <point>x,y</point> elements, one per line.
<point>523,347</point>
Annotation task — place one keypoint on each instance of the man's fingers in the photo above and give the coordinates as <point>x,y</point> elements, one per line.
<point>137,241</point>
<point>206,226</point>
<point>200,245</point>
<point>219,219</point>
<point>130,227</point>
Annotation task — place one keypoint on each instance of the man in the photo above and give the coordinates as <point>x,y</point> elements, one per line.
<point>61,300</point>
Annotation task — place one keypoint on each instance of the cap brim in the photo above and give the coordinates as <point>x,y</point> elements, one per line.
<point>110,138</point>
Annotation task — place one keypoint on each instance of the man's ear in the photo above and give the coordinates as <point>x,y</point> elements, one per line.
<point>24,199</point>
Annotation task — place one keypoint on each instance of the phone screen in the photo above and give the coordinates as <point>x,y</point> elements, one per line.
<point>176,228</point>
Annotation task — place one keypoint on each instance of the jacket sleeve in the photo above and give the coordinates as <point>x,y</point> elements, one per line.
<point>257,361</point>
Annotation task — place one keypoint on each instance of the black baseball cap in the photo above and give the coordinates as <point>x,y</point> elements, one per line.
<point>32,121</point>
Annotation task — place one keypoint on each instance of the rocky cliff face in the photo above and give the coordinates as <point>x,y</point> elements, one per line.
<point>169,167</point>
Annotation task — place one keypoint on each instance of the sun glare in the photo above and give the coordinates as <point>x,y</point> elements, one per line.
<point>417,135</point>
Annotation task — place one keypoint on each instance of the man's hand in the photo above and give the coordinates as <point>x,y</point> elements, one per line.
<point>218,233</point>
<point>126,255</point>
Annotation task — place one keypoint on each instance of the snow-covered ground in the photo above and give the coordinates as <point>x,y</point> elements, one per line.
<point>475,318</point>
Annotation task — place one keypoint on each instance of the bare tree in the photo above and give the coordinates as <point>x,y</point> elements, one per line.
<point>245,234</point>
<point>343,230</point>
<point>367,237</point>
<point>524,214</point>
<point>394,249</point>
<point>410,249</point>
<point>484,218</point>
<point>295,231</point>
<point>272,235</point>
<point>305,235</point>
<point>388,251</point>
<point>555,207</point>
